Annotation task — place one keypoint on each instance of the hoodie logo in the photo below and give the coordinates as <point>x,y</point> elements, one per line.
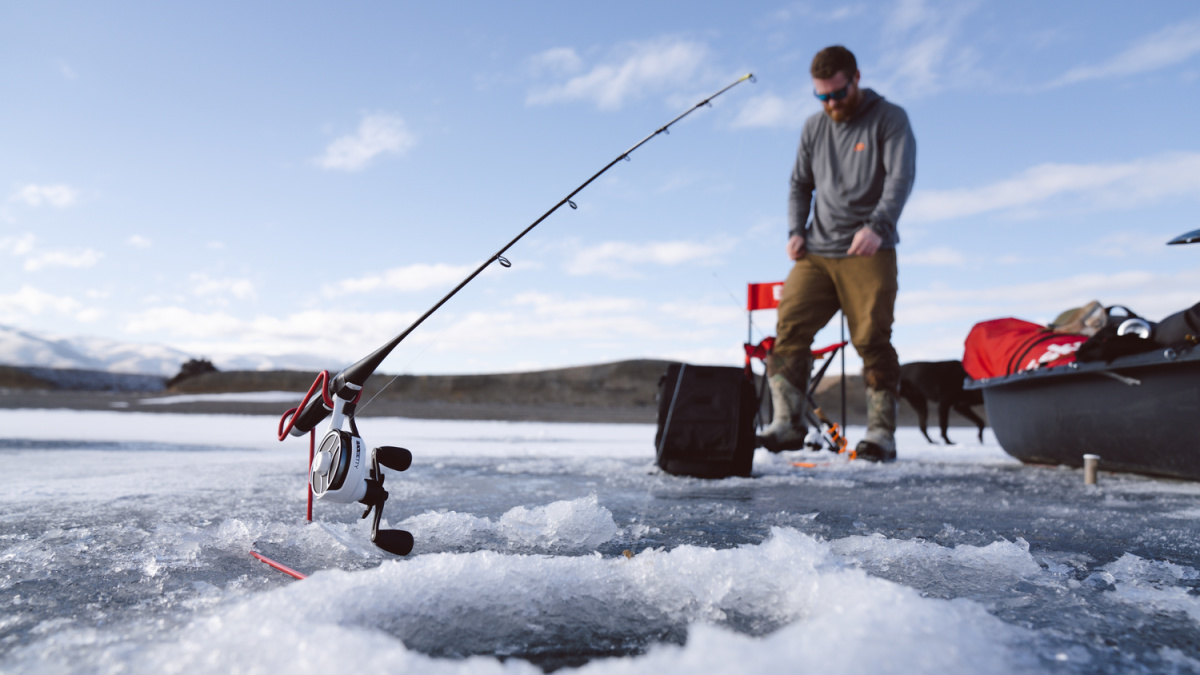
<point>859,147</point>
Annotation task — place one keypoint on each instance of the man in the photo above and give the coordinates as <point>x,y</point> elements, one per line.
<point>859,156</point>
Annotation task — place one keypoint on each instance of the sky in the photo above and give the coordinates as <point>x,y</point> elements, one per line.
<point>304,178</point>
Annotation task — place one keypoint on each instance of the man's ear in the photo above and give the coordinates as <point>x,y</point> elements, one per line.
<point>857,74</point>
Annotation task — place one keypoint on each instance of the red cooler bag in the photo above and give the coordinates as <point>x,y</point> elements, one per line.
<point>1007,346</point>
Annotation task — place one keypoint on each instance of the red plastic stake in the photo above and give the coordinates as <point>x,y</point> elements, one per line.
<point>281,567</point>
<point>312,439</point>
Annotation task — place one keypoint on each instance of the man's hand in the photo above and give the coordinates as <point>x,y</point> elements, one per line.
<point>865,242</point>
<point>795,247</point>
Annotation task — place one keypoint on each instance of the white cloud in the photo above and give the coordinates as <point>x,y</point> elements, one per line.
<point>1107,186</point>
<point>24,246</point>
<point>242,289</point>
<point>18,246</point>
<point>1169,46</point>
<point>410,278</point>
<point>617,258</point>
<point>576,328</point>
<point>58,196</point>
<point>1124,245</point>
<point>556,61</point>
<point>29,300</point>
<point>90,315</point>
<point>923,52</point>
<point>138,241</point>
<point>1150,294</point>
<point>824,12</point>
<point>376,135</point>
<point>771,110</point>
<point>546,304</point>
<point>316,331</point>
<point>703,314</point>
<point>767,226</point>
<point>180,321</point>
<point>591,325</point>
<point>505,329</point>
<point>76,259</point>
<point>630,71</point>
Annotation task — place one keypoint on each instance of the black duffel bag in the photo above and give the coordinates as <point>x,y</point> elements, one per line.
<point>705,421</point>
<point>1180,329</point>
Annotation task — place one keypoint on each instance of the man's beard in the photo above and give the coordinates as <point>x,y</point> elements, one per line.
<point>846,111</point>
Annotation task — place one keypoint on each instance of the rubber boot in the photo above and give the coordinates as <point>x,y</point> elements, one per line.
<point>879,445</point>
<point>788,381</point>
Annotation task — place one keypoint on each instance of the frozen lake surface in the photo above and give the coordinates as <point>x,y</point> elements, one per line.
<point>125,539</point>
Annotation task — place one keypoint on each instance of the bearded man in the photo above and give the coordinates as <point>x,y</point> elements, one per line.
<point>859,157</point>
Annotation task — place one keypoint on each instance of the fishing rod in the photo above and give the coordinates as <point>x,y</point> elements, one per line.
<point>339,472</point>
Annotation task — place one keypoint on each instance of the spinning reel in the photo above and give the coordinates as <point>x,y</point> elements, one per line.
<point>342,470</point>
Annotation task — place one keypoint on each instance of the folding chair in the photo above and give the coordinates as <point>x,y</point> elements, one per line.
<point>828,434</point>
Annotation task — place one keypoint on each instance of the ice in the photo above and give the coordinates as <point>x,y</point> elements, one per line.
<point>241,396</point>
<point>1155,584</point>
<point>456,605</point>
<point>435,438</point>
<point>579,526</point>
<point>124,541</point>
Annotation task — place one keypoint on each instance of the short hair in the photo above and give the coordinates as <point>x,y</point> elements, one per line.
<point>833,60</point>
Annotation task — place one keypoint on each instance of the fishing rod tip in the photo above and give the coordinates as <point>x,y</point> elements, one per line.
<point>748,76</point>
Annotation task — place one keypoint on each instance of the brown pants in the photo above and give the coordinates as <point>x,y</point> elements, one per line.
<point>862,287</point>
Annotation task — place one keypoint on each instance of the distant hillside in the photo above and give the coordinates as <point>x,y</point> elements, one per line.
<point>625,391</point>
<point>624,383</point>
<point>74,379</point>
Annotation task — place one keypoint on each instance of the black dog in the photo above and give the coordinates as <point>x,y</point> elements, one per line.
<point>942,383</point>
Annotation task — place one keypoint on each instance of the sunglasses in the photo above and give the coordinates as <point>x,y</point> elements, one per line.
<point>833,95</point>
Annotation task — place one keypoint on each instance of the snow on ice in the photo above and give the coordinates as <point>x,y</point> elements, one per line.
<point>124,541</point>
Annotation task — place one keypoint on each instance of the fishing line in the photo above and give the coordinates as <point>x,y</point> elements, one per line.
<point>748,313</point>
<point>413,359</point>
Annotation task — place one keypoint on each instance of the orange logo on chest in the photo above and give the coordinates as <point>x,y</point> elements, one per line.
<point>859,147</point>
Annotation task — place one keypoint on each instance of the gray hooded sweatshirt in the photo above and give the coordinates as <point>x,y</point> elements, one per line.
<point>862,171</point>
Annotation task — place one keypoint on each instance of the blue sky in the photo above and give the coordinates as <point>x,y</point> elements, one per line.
<point>307,178</point>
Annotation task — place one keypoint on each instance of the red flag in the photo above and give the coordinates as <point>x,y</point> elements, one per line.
<point>763,296</point>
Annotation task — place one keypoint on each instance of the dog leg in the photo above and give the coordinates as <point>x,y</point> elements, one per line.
<point>944,420</point>
<point>963,409</point>
<point>917,400</point>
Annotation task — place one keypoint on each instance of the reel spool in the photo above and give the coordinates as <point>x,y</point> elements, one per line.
<point>343,472</point>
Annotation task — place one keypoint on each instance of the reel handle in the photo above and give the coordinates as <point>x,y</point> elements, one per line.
<point>396,459</point>
<point>396,542</point>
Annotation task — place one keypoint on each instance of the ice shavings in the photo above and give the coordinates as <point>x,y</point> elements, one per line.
<point>578,525</point>
<point>1155,585</point>
<point>785,605</point>
<point>972,571</point>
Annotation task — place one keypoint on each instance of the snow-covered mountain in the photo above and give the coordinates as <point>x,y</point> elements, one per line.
<point>23,348</point>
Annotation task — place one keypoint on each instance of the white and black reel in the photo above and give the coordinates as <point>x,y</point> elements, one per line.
<point>343,472</point>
